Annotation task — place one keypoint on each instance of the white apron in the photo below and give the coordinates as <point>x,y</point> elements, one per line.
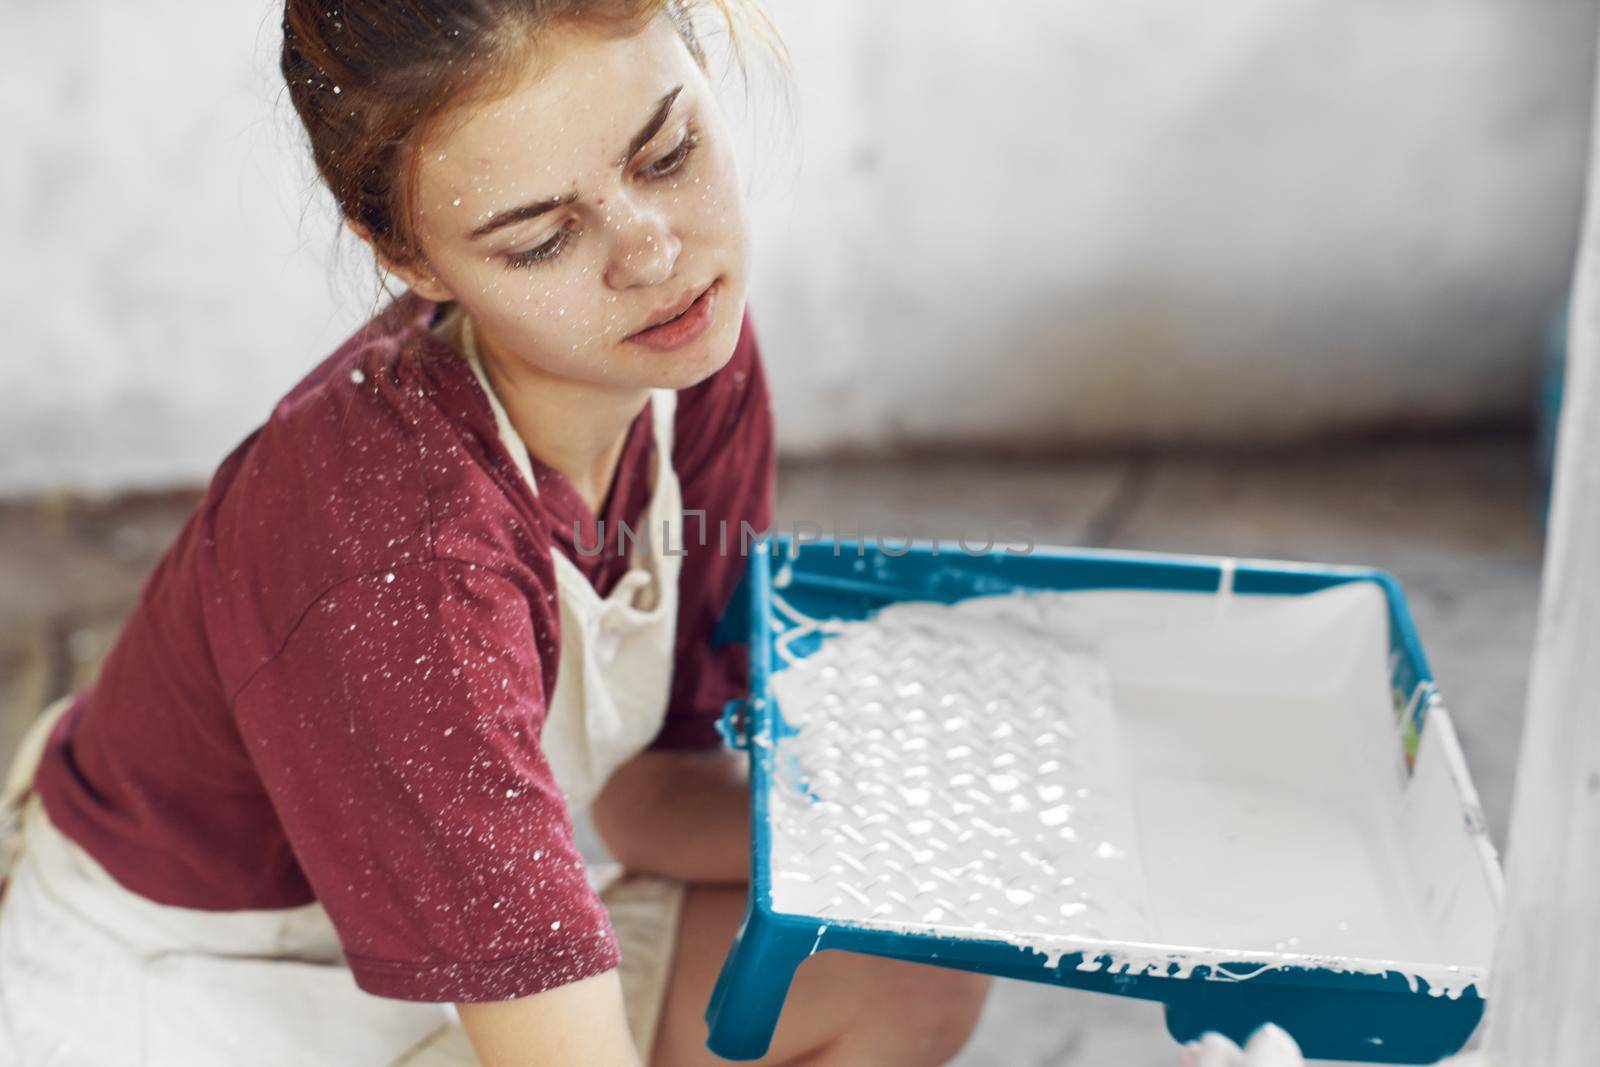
<point>92,975</point>
<point>616,652</point>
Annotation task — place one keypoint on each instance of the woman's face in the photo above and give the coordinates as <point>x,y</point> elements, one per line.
<point>597,200</point>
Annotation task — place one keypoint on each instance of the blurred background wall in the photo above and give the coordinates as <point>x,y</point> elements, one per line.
<point>1029,223</point>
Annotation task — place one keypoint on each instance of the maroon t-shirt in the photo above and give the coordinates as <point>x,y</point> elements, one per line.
<point>333,684</point>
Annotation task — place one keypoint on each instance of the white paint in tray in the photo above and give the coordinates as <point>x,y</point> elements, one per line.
<point>1166,779</point>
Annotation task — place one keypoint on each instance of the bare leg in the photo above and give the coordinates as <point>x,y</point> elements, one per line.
<point>843,1009</point>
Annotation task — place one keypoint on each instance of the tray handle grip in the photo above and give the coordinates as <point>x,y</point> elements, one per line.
<point>734,724</point>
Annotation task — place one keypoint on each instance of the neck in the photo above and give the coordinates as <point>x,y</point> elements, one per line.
<point>577,428</point>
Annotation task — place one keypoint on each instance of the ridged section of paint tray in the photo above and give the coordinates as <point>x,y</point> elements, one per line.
<point>955,771</point>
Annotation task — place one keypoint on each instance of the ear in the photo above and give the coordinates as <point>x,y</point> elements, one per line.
<point>423,281</point>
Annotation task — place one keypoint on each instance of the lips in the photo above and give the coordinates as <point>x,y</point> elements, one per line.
<point>671,311</point>
<point>681,322</point>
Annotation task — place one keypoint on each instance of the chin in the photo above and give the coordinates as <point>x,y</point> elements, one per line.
<point>690,369</point>
<point>694,363</point>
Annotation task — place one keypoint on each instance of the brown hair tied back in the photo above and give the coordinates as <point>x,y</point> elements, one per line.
<point>369,78</point>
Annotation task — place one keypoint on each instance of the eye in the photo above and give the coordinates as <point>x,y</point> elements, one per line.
<point>674,160</point>
<point>542,253</point>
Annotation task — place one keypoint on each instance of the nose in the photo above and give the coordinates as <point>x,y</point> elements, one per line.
<point>644,250</point>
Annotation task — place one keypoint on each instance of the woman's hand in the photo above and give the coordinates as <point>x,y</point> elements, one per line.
<point>1268,1047</point>
<point>683,813</point>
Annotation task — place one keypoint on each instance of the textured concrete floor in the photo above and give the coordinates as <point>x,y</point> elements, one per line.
<point>1452,519</point>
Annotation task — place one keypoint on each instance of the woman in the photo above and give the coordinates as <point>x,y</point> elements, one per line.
<point>323,787</point>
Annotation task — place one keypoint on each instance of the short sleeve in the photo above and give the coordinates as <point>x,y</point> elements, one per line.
<point>397,735</point>
<point>723,453</point>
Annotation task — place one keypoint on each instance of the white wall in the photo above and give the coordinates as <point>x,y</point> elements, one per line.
<point>160,291</point>
<point>1054,222</point>
<point>1067,221</point>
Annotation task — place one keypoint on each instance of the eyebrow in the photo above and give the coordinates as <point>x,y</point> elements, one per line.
<point>649,129</point>
<point>538,207</point>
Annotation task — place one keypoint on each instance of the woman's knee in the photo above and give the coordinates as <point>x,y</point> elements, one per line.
<point>843,1008</point>
<point>917,1015</point>
<point>946,1006</point>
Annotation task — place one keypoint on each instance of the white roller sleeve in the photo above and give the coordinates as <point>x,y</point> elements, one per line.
<point>1268,1047</point>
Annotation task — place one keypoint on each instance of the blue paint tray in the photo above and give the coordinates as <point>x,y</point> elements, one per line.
<point>1228,786</point>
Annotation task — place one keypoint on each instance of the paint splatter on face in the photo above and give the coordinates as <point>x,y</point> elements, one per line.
<point>597,197</point>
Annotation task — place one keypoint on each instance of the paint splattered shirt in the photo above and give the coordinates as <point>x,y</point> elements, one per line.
<point>332,685</point>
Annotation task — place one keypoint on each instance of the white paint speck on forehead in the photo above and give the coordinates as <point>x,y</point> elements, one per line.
<point>1175,779</point>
